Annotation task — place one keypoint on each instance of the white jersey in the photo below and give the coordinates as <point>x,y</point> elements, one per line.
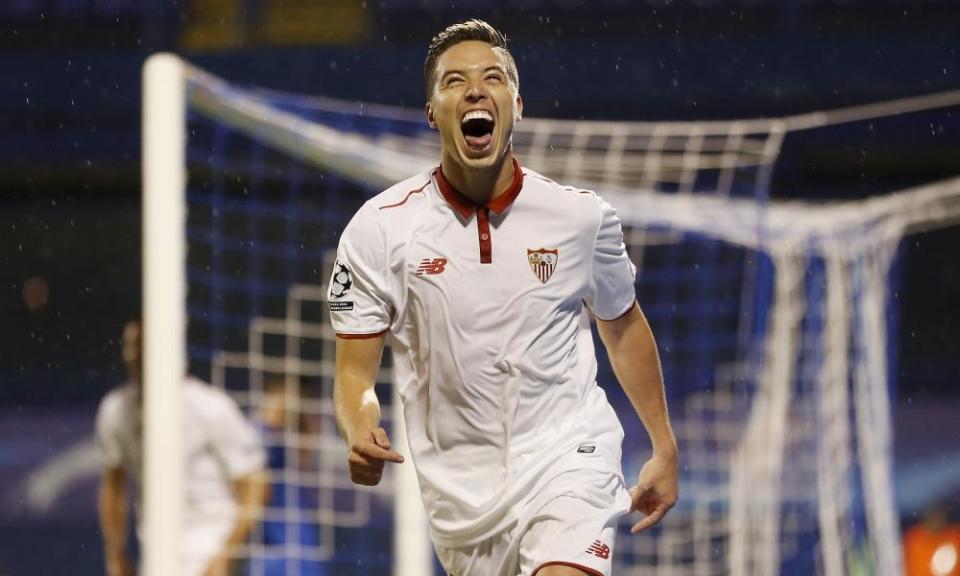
<point>220,445</point>
<point>492,344</point>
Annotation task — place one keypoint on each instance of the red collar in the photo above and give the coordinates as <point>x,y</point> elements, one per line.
<point>465,206</point>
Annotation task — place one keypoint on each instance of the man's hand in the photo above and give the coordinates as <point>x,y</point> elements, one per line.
<point>656,491</point>
<point>368,451</point>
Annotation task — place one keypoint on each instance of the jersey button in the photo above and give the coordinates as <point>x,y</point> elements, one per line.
<point>484,236</point>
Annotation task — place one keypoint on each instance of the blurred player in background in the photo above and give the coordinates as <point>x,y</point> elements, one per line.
<point>224,483</point>
<point>487,274</point>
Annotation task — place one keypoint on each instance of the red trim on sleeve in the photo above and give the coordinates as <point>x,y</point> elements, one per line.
<point>585,569</point>
<point>359,336</point>
<point>407,197</point>
<point>483,233</point>
<point>625,312</point>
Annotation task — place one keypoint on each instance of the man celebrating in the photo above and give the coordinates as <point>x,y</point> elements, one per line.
<point>486,274</point>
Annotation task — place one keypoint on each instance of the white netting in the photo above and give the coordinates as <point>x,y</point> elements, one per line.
<point>771,318</point>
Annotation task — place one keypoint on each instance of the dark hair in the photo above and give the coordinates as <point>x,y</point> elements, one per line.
<point>463,32</point>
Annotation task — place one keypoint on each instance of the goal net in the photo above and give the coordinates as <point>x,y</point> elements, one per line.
<point>773,321</point>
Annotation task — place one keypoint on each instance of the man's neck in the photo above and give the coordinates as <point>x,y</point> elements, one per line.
<point>480,186</point>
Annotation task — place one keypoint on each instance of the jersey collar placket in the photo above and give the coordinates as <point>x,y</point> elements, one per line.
<point>466,207</point>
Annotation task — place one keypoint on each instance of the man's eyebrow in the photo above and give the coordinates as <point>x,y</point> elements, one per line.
<point>447,73</point>
<point>496,67</point>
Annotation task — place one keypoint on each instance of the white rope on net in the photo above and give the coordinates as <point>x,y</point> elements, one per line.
<point>792,226</point>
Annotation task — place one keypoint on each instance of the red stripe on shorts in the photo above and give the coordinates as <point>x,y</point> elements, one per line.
<point>586,570</point>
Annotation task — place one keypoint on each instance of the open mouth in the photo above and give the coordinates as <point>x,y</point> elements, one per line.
<point>477,127</point>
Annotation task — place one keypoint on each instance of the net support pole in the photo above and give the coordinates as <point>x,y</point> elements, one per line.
<point>412,551</point>
<point>164,316</point>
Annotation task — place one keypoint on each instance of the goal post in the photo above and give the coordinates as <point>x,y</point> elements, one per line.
<point>164,309</point>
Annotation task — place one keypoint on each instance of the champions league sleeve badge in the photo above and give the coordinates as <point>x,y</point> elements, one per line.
<point>340,283</point>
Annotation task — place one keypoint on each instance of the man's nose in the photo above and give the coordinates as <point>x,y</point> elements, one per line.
<point>475,92</point>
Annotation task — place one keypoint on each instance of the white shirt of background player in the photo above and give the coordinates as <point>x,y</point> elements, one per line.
<point>224,482</point>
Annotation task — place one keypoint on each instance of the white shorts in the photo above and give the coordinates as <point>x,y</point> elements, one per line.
<point>571,522</point>
<point>200,543</point>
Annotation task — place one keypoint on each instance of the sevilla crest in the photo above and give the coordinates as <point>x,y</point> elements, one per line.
<point>543,262</point>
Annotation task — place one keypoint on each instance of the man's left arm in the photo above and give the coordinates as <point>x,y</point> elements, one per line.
<point>633,354</point>
<point>250,492</point>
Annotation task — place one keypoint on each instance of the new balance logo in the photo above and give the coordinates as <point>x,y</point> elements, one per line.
<point>431,266</point>
<point>599,549</point>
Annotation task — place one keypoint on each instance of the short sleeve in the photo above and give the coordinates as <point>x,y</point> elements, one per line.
<point>612,289</point>
<point>358,292</point>
<point>109,443</point>
<point>234,439</point>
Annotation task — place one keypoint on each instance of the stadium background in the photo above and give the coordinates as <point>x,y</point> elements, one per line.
<point>69,182</point>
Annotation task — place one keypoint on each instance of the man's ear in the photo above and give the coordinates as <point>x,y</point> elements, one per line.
<point>428,109</point>
<point>519,107</point>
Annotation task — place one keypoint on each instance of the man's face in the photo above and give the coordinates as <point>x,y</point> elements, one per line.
<point>133,350</point>
<point>474,104</point>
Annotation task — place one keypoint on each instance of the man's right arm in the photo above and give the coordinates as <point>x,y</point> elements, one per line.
<point>357,408</point>
<point>112,500</point>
